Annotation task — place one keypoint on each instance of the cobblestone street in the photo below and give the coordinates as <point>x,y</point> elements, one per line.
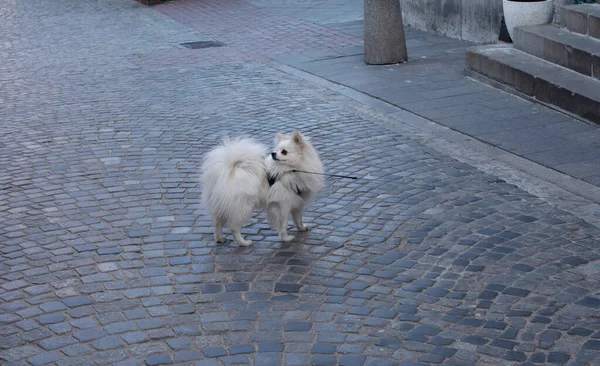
<point>107,258</point>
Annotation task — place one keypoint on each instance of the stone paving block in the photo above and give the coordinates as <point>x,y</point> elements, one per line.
<point>18,353</point>
<point>51,318</point>
<point>77,350</point>
<point>134,337</point>
<point>45,358</point>
<point>158,359</point>
<point>89,334</point>
<point>108,342</point>
<point>120,327</point>
<point>214,352</point>
<point>81,311</point>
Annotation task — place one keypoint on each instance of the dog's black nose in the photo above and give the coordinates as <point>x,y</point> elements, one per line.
<point>274,156</point>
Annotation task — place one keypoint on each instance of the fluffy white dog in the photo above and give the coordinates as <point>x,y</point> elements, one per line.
<point>236,179</point>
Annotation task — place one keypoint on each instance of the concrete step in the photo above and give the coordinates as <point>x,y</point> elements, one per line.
<point>560,46</point>
<point>536,78</point>
<point>581,18</point>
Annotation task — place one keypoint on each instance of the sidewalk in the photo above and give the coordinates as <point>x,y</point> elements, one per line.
<point>432,85</point>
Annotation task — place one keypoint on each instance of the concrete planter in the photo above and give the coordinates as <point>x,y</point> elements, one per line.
<point>518,13</point>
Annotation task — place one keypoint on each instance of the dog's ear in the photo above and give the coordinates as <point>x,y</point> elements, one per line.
<point>281,137</point>
<point>298,138</point>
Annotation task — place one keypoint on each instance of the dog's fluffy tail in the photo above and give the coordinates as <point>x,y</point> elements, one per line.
<point>234,180</point>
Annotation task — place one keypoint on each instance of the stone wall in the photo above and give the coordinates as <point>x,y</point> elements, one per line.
<point>473,20</point>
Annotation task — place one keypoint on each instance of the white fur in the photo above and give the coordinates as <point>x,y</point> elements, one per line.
<point>283,198</point>
<point>234,177</point>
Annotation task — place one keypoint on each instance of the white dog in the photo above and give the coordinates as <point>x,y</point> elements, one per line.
<point>236,179</point>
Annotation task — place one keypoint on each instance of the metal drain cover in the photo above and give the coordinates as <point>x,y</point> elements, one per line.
<point>202,44</point>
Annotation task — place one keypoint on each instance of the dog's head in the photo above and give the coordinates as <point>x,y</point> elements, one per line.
<point>289,150</point>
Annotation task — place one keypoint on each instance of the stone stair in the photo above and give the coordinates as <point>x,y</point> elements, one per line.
<point>554,64</point>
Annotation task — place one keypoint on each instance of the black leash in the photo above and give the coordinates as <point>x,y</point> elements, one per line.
<point>523,194</point>
<point>520,194</point>
<point>329,175</point>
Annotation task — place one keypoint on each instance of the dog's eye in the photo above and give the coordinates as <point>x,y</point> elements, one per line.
<point>283,152</point>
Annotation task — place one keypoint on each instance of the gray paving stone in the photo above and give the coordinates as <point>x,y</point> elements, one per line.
<point>389,343</point>
<point>209,289</point>
<point>120,327</point>
<point>160,333</point>
<point>77,350</point>
<point>136,293</point>
<point>592,345</point>
<point>159,359</point>
<point>36,334</point>
<point>57,342</point>
<point>234,350</point>
<point>84,323</point>
<point>214,352</point>
<point>187,330</point>
<point>324,348</point>
<point>352,360</point>
<point>106,343</point>
<point>297,326</point>
<point>18,353</point>
<point>51,318</point>
<point>45,358</point>
<point>60,328</point>
<point>187,355</point>
<point>145,324</point>
<point>476,340</point>
<point>270,347</point>
<point>77,301</point>
<point>515,356</point>
<point>237,287</point>
<point>89,334</point>
<point>52,306</point>
<point>134,337</point>
<point>29,312</point>
<point>590,302</point>
<point>380,361</point>
<point>81,311</point>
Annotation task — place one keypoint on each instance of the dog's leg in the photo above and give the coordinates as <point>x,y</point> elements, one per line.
<point>219,238</point>
<point>297,217</point>
<point>283,234</point>
<point>283,226</point>
<point>237,236</point>
<point>278,217</point>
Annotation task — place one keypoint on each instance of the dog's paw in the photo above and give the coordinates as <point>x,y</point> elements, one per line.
<point>304,228</point>
<point>245,243</point>
<point>220,239</point>
<point>287,238</point>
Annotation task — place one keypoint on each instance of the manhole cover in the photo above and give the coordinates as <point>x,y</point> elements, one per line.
<point>202,44</point>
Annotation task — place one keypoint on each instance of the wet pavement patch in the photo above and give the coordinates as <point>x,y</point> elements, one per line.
<point>202,44</point>
<point>287,287</point>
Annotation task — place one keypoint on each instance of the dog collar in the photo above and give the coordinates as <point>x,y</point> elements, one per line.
<point>272,179</point>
